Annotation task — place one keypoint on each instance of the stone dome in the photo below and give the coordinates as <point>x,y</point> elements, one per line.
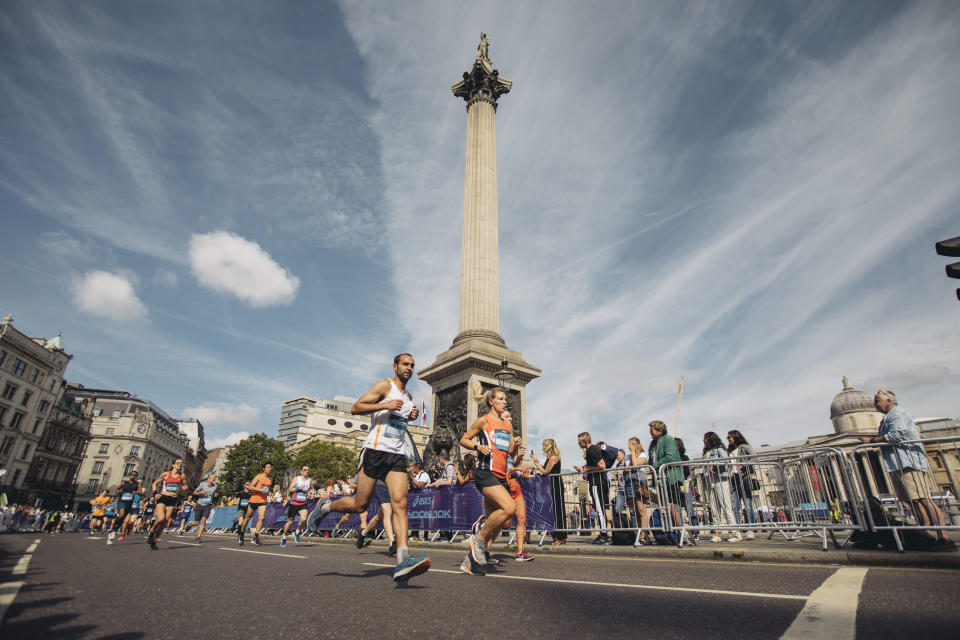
<point>850,400</point>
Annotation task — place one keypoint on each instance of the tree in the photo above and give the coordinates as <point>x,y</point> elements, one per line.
<point>327,460</point>
<point>246,459</point>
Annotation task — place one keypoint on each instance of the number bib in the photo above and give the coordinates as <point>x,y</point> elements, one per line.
<point>244,502</point>
<point>204,501</point>
<point>172,487</point>
<point>300,496</point>
<point>395,428</point>
<point>501,439</point>
<point>264,488</point>
<point>126,497</point>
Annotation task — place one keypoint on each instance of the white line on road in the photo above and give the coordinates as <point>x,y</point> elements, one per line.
<point>8,593</point>
<point>33,547</point>
<point>189,544</point>
<point>779,596</point>
<point>21,567</point>
<point>263,553</point>
<point>831,610</point>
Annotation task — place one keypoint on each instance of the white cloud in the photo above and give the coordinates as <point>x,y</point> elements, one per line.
<point>225,262</point>
<point>108,295</point>
<point>165,278</point>
<point>231,438</point>
<point>223,413</point>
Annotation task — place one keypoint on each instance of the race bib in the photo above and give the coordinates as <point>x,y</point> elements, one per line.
<point>396,428</point>
<point>501,440</point>
<point>204,500</point>
<point>244,502</point>
<point>172,487</point>
<point>300,496</point>
<point>264,488</point>
<point>126,497</point>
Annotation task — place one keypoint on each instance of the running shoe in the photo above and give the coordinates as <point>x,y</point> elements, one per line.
<point>392,549</point>
<point>493,561</point>
<point>336,530</point>
<point>111,537</point>
<point>313,521</point>
<point>479,524</point>
<point>119,537</point>
<point>283,540</point>
<point>411,566</point>
<point>363,541</point>
<point>478,550</point>
<point>256,539</point>
<point>471,567</point>
<point>523,557</point>
<point>153,543</point>
<point>296,535</point>
<point>240,539</point>
<point>198,541</point>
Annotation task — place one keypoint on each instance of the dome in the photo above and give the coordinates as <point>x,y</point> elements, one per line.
<point>850,400</point>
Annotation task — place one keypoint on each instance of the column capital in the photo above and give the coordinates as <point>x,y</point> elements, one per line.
<point>481,83</point>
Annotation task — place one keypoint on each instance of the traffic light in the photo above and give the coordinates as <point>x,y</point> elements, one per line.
<point>951,248</point>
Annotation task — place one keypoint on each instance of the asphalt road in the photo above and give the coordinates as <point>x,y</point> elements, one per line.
<point>75,587</point>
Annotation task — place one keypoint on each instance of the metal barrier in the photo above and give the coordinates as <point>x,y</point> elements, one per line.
<point>806,490</point>
<point>895,480</point>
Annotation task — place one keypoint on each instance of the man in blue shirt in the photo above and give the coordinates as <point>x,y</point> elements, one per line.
<point>906,462</point>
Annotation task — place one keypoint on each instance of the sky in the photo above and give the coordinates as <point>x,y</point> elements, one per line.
<point>221,206</point>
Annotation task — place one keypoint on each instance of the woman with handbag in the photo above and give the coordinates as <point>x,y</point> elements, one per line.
<point>741,480</point>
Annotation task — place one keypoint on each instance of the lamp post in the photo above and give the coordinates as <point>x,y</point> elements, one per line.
<point>504,375</point>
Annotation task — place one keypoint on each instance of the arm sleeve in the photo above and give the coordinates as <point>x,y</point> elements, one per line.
<point>898,430</point>
<point>666,452</point>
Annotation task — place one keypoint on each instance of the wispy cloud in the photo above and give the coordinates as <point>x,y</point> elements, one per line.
<point>221,413</point>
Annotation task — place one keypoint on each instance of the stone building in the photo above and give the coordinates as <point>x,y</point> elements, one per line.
<point>304,419</point>
<point>31,382</point>
<point>130,433</point>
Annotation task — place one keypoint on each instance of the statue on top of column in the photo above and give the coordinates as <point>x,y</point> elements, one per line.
<point>483,49</point>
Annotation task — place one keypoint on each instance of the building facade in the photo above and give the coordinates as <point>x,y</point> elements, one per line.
<point>31,383</point>
<point>130,433</point>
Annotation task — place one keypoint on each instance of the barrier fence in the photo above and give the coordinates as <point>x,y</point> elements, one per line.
<point>819,491</point>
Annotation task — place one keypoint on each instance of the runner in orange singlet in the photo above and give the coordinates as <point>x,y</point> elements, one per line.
<point>260,486</point>
<point>170,484</point>
<point>494,443</point>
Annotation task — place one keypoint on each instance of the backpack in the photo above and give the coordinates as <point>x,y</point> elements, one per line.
<point>621,538</point>
<point>610,455</point>
<point>911,539</point>
<point>661,537</point>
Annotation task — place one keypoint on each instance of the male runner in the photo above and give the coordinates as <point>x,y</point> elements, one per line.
<point>243,505</point>
<point>383,457</point>
<point>186,512</point>
<point>384,514</point>
<point>126,491</point>
<point>206,494</point>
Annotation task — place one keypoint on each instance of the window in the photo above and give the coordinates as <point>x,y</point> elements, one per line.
<point>331,421</point>
<point>44,405</point>
<point>127,470</point>
<point>97,468</point>
<point>26,398</point>
<point>9,391</point>
<point>348,424</point>
<point>19,366</point>
<point>61,445</point>
<point>116,414</point>
<point>25,454</point>
<point>109,431</point>
<point>104,448</point>
<point>53,381</point>
<point>364,427</point>
<point>92,485</point>
<point>36,425</point>
<point>16,476</point>
<point>62,471</point>
<point>7,443</point>
<point>3,356</point>
<point>34,375</point>
<point>16,420</point>
<point>3,412</point>
<point>134,451</point>
<point>97,413</point>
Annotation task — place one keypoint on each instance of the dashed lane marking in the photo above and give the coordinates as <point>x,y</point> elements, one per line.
<point>831,610</point>
<point>263,553</point>
<point>8,593</point>
<point>22,564</point>
<point>189,544</point>
<point>33,547</point>
<point>746,594</point>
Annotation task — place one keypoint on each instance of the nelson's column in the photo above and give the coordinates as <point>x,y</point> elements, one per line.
<point>478,353</point>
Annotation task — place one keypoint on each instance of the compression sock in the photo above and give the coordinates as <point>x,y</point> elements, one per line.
<point>402,553</point>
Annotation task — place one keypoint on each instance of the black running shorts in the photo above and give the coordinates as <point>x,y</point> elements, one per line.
<point>377,464</point>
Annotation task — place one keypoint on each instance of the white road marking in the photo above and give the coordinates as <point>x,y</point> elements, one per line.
<point>189,544</point>
<point>21,567</point>
<point>263,553</point>
<point>748,594</point>
<point>33,547</point>
<point>8,593</point>
<point>831,610</point>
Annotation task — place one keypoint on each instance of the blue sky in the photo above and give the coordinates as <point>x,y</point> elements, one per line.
<point>224,205</point>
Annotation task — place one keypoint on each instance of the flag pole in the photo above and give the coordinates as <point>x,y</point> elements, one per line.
<point>676,420</point>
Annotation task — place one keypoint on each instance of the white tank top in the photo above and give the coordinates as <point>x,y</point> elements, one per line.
<point>388,429</point>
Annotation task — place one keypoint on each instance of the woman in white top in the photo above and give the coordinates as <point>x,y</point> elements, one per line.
<point>634,482</point>
<point>297,495</point>
<point>718,484</point>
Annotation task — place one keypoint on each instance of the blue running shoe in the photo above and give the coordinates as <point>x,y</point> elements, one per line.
<point>313,522</point>
<point>283,541</point>
<point>296,535</point>
<point>412,566</point>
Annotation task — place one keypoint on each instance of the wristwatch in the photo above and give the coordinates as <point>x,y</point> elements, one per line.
<point>476,447</point>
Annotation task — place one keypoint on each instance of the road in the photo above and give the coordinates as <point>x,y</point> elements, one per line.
<point>77,587</point>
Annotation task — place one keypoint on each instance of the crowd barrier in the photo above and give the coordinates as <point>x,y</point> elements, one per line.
<point>819,491</point>
<point>909,520</point>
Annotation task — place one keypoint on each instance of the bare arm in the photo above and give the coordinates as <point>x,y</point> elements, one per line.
<point>467,440</point>
<point>370,401</point>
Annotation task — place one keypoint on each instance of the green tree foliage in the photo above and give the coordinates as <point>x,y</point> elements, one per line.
<point>246,459</point>
<point>327,460</point>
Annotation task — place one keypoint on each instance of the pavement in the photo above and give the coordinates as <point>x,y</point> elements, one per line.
<point>71,586</point>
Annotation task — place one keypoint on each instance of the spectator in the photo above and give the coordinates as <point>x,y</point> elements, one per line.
<point>551,467</point>
<point>418,480</point>
<point>635,487</point>
<point>686,489</point>
<point>663,449</point>
<point>907,465</point>
<point>718,485</point>
<point>466,468</point>
<point>447,475</point>
<point>599,459</point>
<point>741,479</point>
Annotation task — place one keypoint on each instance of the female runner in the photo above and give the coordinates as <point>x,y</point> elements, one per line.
<point>297,504</point>
<point>494,444</point>
<point>258,502</point>
<point>171,483</point>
